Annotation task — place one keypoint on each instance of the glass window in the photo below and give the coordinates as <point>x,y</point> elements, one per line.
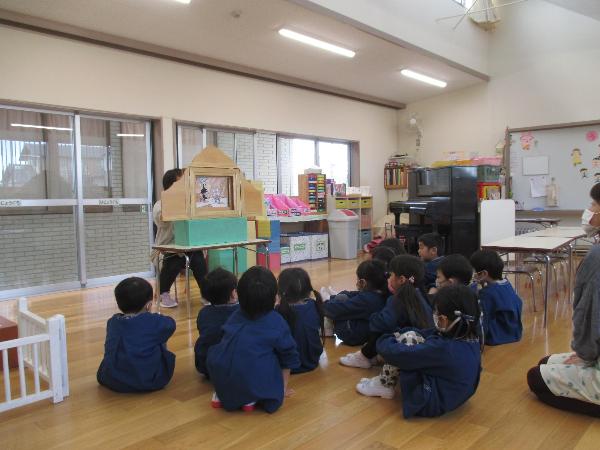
<point>333,159</point>
<point>36,155</point>
<point>302,156</point>
<point>190,143</point>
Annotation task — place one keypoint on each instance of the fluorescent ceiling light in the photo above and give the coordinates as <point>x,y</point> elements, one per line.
<point>129,135</point>
<point>316,43</point>
<point>24,125</point>
<point>423,78</point>
<point>186,2</point>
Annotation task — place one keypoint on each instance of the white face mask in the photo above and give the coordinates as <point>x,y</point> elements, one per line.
<point>586,218</point>
<point>436,323</point>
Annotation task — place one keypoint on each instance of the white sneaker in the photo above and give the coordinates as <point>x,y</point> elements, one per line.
<point>372,387</point>
<point>332,291</point>
<point>325,293</point>
<point>328,327</point>
<point>166,301</point>
<point>357,359</point>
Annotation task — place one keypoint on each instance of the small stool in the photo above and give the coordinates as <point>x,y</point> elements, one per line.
<point>9,331</point>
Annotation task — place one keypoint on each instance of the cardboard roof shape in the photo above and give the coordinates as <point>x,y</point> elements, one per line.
<point>212,156</point>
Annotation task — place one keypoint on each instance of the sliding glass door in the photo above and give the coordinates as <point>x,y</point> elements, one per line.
<point>74,200</point>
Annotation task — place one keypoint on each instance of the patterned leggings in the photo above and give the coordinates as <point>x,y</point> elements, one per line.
<point>389,375</point>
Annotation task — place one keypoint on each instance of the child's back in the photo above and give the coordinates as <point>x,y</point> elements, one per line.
<point>219,288</point>
<point>501,313</point>
<point>210,321</point>
<point>246,365</point>
<point>136,358</point>
<point>395,315</point>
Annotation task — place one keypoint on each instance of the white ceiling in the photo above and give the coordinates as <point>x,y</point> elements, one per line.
<point>207,28</point>
<point>590,8</point>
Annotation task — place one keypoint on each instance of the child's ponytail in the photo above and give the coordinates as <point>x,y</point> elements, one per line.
<point>321,312</point>
<point>407,298</point>
<point>294,285</point>
<point>460,305</point>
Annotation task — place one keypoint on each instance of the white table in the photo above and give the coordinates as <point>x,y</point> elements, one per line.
<point>186,250</point>
<point>543,245</point>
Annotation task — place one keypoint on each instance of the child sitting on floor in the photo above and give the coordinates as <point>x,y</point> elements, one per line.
<point>430,251</point>
<point>136,358</point>
<point>303,314</point>
<point>350,310</point>
<point>407,307</point>
<point>500,304</point>
<point>439,368</point>
<point>219,288</point>
<point>453,270</point>
<point>251,365</point>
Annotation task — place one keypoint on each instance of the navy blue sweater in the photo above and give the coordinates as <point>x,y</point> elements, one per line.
<point>136,358</point>
<point>392,317</point>
<point>501,313</point>
<point>351,315</point>
<point>306,333</point>
<point>246,366</point>
<point>210,321</point>
<point>436,376</point>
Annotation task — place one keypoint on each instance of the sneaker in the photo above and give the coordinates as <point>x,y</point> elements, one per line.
<point>215,402</point>
<point>249,407</point>
<point>328,327</point>
<point>332,291</point>
<point>372,387</point>
<point>357,359</point>
<point>166,301</point>
<point>325,293</point>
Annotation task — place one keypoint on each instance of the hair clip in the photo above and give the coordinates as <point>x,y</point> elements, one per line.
<point>466,317</point>
<point>411,279</point>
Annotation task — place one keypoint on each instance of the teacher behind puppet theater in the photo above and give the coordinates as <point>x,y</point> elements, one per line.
<point>172,263</point>
<point>571,381</point>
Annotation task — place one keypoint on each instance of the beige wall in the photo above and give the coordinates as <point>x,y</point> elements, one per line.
<point>54,71</point>
<point>544,67</point>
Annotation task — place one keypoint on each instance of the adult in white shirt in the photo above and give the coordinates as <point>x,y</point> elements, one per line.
<point>173,263</point>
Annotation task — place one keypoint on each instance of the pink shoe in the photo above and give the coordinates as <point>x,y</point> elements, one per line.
<point>249,407</point>
<point>215,402</point>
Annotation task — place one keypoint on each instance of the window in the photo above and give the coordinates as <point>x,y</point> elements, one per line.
<point>334,160</point>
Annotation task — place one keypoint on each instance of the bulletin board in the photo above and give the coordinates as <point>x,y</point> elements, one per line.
<point>567,153</point>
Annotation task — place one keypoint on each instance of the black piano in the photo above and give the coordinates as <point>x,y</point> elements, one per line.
<point>443,200</point>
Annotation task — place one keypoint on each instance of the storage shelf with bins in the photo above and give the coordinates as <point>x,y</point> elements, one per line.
<point>363,206</point>
<point>395,176</point>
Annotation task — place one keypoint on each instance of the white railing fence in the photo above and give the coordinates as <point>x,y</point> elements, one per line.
<point>41,348</point>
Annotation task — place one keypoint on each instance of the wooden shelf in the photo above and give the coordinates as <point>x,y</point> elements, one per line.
<point>391,187</point>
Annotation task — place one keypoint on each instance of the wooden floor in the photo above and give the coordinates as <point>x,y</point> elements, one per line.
<point>325,412</point>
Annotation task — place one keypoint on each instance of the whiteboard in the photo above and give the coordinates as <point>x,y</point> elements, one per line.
<point>573,158</point>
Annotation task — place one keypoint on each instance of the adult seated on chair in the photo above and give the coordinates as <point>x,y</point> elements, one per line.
<point>571,381</point>
<point>173,263</point>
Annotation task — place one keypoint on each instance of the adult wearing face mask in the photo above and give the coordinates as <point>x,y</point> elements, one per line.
<point>571,381</point>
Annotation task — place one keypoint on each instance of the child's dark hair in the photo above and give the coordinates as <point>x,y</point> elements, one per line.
<point>293,286</point>
<point>217,286</point>
<point>170,177</point>
<point>383,254</point>
<point>456,266</point>
<point>431,240</point>
<point>595,192</point>
<point>373,272</point>
<point>460,301</point>
<point>407,298</point>
<point>488,260</point>
<point>132,294</point>
<point>394,244</point>
<point>257,289</point>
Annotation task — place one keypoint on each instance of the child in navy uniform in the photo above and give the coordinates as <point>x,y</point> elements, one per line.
<point>454,270</point>
<point>407,307</point>
<point>430,251</point>
<point>441,373</point>
<point>136,358</point>
<point>500,303</point>
<point>251,365</point>
<point>350,311</point>
<point>303,314</point>
<point>219,288</point>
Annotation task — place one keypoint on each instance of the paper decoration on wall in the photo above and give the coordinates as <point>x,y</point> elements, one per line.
<point>552,194</point>
<point>535,165</point>
<point>584,172</point>
<point>591,136</point>
<point>596,160</point>
<point>526,140</point>
<point>538,186</point>
<point>576,157</point>
<point>597,177</point>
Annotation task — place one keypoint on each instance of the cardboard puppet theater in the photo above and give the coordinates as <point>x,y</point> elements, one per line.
<point>210,204</point>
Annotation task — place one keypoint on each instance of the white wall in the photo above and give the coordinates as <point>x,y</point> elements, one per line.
<point>414,22</point>
<point>544,68</point>
<point>49,70</point>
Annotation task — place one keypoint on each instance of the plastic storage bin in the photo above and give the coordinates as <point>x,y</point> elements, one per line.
<point>343,233</point>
